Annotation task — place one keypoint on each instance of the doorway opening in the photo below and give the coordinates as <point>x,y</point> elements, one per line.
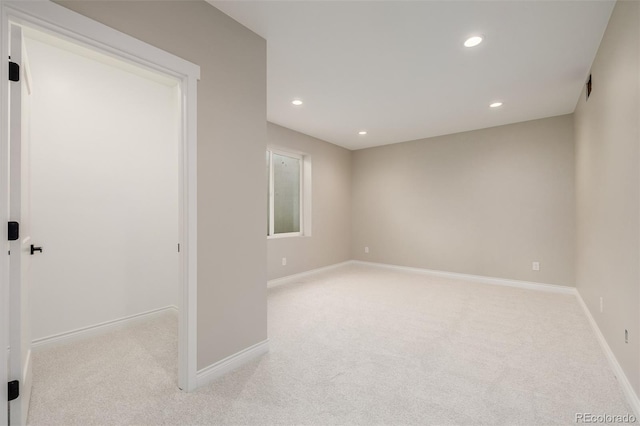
<point>103,162</point>
<point>100,185</point>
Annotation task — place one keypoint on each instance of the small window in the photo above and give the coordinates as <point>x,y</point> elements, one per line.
<point>285,209</point>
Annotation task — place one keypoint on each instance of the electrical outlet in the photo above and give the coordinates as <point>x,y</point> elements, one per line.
<point>284,261</point>
<point>366,249</point>
<point>626,336</point>
<point>535,266</point>
<point>601,305</point>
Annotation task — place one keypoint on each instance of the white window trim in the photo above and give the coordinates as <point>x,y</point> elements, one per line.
<point>305,194</point>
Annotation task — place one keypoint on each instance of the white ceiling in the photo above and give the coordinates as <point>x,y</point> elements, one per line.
<point>399,69</point>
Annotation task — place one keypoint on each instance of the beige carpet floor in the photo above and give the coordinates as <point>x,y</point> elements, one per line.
<point>358,345</point>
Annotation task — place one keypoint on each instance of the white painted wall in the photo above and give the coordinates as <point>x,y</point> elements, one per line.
<point>104,191</point>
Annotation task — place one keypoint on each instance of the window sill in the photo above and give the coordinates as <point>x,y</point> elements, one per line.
<point>291,235</point>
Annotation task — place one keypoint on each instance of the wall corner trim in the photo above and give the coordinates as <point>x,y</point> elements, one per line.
<point>627,389</point>
<point>230,363</point>
<point>552,288</point>
<point>296,277</point>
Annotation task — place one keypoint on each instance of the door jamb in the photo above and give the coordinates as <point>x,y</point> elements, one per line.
<point>64,23</point>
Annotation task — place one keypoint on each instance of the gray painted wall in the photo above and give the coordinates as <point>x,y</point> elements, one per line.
<point>607,189</point>
<point>232,307</point>
<point>486,202</point>
<point>329,242</point>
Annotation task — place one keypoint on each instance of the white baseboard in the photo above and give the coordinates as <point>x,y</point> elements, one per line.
<point>628,390</point>
<point>97,329</point>
<point>230,363</point>
<point>296,277</point>
<point>553,288</point>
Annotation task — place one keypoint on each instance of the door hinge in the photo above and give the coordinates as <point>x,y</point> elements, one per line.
<point>178,247</point>
<point>13,231</point>
<point>14,390</point>
<point>14,71</point>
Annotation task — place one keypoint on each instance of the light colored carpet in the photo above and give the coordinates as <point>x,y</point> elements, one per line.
<point>358,345</point>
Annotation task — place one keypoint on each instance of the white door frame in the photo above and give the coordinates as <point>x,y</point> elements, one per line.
<point>61,22</point>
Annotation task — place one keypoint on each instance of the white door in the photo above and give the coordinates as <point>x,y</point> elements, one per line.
<point>20,249</point>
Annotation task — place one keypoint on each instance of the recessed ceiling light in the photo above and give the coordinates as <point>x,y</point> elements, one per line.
<point>296,102</point>
<point>362,132</point>
<point>473,41</point>
<point>495,105</point>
